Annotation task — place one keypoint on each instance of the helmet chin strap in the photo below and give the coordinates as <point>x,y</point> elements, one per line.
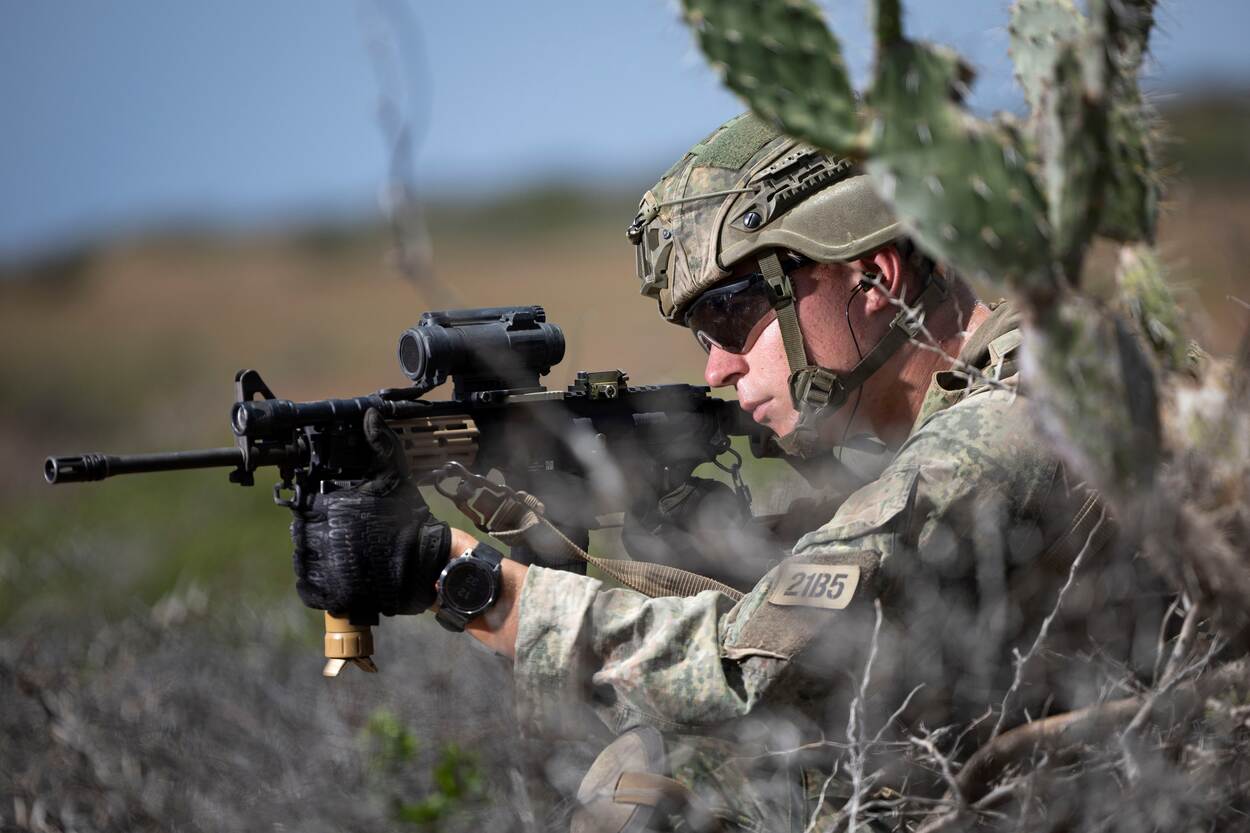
<point>817,392</point>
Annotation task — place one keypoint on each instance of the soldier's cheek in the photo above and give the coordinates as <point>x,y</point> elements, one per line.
<point>784,422</point>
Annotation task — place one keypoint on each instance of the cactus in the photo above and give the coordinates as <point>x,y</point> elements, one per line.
<point>1089,121</point>
<point>785,61</point>
<point>1131,191</point>
<point>1087,371</point>
<point>1019,207</point>
<point>1124,27</point>
<point>1040,30</point>
<point>887,22</point>
<point>1070,127</point>
<point>1150,303</point>
<point>1131,196</point>
<point>1049,42</point>
<point>775,55</point>
<point>957,184</point>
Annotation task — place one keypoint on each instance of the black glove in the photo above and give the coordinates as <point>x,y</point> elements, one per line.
<point>374,547</point>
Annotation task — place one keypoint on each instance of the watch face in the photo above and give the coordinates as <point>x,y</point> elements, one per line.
<point>467,586</point>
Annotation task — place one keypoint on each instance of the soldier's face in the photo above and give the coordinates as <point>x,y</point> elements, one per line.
<point>761,374</point>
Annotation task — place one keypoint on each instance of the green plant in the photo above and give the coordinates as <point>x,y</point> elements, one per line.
<point>392,744</point>
<point>454,774</point>
<point>457,782</point>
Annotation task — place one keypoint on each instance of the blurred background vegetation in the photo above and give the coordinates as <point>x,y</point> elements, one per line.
<point>132,346</point>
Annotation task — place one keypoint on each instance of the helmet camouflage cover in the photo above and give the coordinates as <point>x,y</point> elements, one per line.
<point>745,189</point>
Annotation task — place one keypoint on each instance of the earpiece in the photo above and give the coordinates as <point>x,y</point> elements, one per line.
<point>869,281</point>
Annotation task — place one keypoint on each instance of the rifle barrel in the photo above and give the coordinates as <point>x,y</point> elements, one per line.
<point>83,467</point>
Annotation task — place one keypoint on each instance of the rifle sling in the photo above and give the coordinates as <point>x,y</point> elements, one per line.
<point>516,514</point>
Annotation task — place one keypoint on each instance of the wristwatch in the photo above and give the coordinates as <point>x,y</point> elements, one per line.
<point>468,585</point>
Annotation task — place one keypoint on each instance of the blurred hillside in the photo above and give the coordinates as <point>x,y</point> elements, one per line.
<point>132,345</point>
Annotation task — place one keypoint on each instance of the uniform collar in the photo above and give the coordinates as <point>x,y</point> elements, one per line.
<point>989,348</point>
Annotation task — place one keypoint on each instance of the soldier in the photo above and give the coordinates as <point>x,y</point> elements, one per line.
<point>800,286</point>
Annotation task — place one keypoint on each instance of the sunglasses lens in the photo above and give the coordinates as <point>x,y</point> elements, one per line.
<point>726,317</point>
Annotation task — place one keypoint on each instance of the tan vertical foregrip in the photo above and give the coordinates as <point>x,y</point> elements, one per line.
<point>347,642</point>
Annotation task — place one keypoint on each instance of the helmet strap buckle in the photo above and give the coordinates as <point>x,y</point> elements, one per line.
<point>815,388</point>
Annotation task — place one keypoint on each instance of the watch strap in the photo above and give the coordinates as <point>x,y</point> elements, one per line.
<point>488,554</point>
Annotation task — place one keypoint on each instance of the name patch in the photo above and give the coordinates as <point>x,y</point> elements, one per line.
<point>815,585</point>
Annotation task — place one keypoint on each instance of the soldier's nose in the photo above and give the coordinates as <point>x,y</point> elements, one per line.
<point>723,368</point>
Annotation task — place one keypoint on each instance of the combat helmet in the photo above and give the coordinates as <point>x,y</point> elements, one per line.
<point>749,191</point>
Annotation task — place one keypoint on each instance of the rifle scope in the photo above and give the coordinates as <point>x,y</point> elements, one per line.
<point>491,348</point>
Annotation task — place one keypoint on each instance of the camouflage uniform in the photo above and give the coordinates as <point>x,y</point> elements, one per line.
<point>964,538</point>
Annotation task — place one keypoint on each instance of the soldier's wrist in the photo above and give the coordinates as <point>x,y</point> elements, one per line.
<point>497,627</point>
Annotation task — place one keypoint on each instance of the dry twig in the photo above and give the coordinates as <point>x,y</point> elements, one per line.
<point>1022,661</point>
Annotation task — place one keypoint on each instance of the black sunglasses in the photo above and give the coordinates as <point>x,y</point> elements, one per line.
<point>732,316</point>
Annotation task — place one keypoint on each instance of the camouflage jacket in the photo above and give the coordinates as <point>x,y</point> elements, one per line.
<point>964,540</point>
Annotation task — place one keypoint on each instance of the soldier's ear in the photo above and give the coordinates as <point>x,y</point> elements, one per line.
<point>882,278</point>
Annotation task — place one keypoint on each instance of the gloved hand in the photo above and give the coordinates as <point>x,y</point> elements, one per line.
<point>374,547</point>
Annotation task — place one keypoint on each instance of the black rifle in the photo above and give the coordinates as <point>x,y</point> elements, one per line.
<point>596,448</point>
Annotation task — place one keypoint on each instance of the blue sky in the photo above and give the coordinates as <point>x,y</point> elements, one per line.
<point>130,114</point>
